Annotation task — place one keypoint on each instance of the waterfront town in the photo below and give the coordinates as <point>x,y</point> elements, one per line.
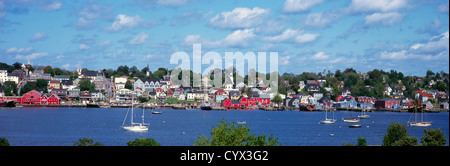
<point>24,85</point>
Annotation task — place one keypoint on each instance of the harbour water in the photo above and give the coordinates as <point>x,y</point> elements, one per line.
<point>64,126</point>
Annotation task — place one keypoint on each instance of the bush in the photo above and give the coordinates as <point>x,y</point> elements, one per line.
<point>143,142</point>
<point>4,142</point>
<point>87,142</point>
<point>225,134</point>
<point>433,137</point>
<point>397,135</point>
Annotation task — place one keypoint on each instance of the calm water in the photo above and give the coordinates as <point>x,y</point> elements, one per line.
<point>64,126</point>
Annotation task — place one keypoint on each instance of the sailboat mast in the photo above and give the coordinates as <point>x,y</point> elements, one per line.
<point>132,109</point>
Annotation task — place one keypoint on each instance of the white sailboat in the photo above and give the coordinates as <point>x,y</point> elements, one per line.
<point>328,121</point>
<point>135,126</point>
<point>363,115</point>
<point>351,119</point>
<point>421,123</point>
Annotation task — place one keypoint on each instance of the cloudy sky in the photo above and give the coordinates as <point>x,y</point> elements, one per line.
<point>410,36</point>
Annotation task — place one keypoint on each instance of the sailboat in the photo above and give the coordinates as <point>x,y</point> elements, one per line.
<point>135,126</point>
<point>351,119</point>
<point>205,105</point>
<point>363,115</point>
<point>328,121</point>
<point>421,123</point>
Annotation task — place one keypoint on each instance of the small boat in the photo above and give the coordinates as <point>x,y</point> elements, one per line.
<point>205,107</point>
<point>156,112</point>
<point>363,115</point>
<point>91,105</point>
<point>241,122</point>
<point>355,126</point>
<point>351,120</point>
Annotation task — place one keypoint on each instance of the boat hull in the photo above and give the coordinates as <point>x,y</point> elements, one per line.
<point>364,117</point>
<point>355,126</point>
<point>328,121</point>
<point>136,128</point>
<point>351,120</point>
<point>206,108</point>
<point>420,124</point>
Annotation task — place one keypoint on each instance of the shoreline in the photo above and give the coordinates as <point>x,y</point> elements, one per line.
<point>223,108</point>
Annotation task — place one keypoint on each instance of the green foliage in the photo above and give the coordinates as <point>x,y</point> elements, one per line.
<point>86,85</point>
<point>433,137</point>
<point>4,142</point>
<point>277,99</point>
<point>143,142</point>
<point>87,142</point>
<point>128,85</point>
<point>225,134</point>
<point>362,141</point>
<point>397,135</point>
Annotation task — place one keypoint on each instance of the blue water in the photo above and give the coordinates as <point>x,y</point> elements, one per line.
<point>64,126</point>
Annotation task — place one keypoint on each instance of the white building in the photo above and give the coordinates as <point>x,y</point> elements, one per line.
<point>4,77</point>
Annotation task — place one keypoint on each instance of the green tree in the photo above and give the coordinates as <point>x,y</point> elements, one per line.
<point>225,134</point>
<point>86,85</point>
<point>4,142</point>
<point>362,141</point>
<point>397,135</point>
<point>87,142</point>
<point>433,137</point>
<point>143,142</point>
<point>128,85</point>
<point>277,99</point>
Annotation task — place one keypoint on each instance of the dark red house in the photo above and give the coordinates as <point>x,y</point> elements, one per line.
<point>50,100</point>
<point>31,97</point>
<point>387,103</point>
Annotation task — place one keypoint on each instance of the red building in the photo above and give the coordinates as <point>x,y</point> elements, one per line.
<point>387,103</point>
<point>50,100</point>
<point>31,97</point>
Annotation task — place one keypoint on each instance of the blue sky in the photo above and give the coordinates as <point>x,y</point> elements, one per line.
<point>410,36</point>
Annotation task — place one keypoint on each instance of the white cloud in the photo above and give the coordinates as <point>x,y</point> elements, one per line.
<point>140,38</point>
<point>285,60</point>
<point>66,66</point>
<point>19,51</point>
<point>378,5</point>
<point>306,38</point>
<point>38,36</point>
<point>320,56</point>
<point>291,35</point>
<point>123,21</point>
<point>240,18</point>
<point>53,6</point>
<point>295,6</point>
<point>323,19</point>
<point>32,56</point>
<point>385,19</point>
<point>84,47</point>
<point>239,38</point>
<point>436,48</point>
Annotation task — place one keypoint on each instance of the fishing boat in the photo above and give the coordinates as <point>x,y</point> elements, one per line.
<point>138,127</point>
<point>421,123</point>
<point>363,115</point>
<point>328,121</point>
